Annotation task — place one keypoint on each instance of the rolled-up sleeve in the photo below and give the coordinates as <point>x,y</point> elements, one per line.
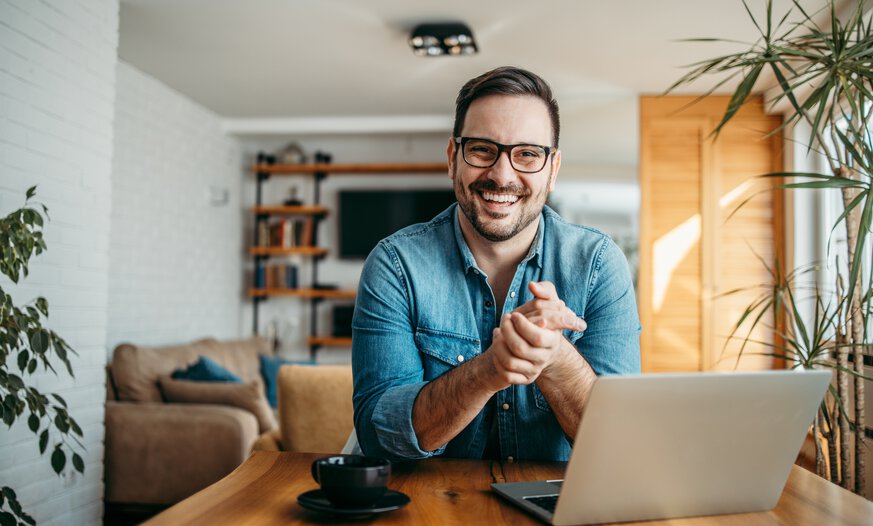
<point>388,371</point>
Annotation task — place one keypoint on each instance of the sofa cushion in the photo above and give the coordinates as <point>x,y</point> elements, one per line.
<point>248,396</point>
<point>316,414</point>
<point>136,369</point>
<point>206,369</point>
<point>270,371</point>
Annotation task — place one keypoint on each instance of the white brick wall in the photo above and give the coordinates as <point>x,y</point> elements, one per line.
<point>57,91</point>
<point>175,269</point>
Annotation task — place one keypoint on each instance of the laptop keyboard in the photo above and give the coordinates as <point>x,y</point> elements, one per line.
<point>546,502</point>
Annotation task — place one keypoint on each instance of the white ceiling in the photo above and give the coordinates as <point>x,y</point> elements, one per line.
<point>350,58</point>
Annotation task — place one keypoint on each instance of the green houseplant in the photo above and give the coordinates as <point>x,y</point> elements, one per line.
<point>25,345</point>
<point>824,73</point>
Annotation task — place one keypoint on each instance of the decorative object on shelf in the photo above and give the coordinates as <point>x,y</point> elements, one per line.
<point>438,39</point>
<point>824,73</point>
<point>291,154</point>
<point>292,200</point>
<point>27,344</point>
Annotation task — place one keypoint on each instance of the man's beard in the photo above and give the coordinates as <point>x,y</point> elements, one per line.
<point>529,210</point>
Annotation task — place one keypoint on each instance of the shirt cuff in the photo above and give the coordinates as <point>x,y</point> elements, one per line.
<point>392,421</point>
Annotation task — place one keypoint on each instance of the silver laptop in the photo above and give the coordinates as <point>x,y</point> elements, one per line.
<point>660,446</point>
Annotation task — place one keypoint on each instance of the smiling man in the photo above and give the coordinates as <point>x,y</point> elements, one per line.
<point>479,334</point>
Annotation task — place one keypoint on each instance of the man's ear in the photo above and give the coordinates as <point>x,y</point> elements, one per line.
<point>556,165</point>
<point>451,157</point>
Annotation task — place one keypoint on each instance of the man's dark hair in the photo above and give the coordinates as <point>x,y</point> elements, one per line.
<point>506,80</point>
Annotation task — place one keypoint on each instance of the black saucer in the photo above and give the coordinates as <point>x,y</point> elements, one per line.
<point>315,500</point>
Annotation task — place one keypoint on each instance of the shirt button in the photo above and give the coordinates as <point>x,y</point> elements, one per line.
<point>511,293</point>
<point>510,459</point>
<point>506,407</point>
<point>460,358</point>
<point>475,272</point>
<point>488,303</point>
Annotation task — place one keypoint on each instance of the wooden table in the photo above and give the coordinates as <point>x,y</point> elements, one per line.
<point>263,491</point>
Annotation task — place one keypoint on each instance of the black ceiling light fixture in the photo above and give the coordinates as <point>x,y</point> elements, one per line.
<point>447,38</point>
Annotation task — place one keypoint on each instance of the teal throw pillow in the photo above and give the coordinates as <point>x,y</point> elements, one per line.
<point>270,371</point>
<point>206,370</point>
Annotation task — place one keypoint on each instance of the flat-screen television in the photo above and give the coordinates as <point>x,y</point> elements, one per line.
<point>368,216</point>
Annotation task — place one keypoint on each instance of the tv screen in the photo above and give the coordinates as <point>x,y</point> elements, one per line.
<point>368,216</point>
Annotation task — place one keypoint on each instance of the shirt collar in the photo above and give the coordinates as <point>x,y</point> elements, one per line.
<point>534,254</point>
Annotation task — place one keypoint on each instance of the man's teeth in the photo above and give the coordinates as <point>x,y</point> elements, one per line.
<point>500,198</point>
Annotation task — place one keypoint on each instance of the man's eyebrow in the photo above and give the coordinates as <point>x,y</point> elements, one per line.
<point>532,143</point>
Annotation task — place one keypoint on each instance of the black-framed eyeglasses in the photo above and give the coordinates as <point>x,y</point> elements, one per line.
<point>483,153</point>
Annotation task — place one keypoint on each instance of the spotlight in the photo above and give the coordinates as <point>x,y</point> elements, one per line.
<point>450,38</point>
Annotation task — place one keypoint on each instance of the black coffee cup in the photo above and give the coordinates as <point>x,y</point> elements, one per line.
<point>352,481</point>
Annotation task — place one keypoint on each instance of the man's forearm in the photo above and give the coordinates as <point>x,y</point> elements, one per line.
<point>446,405</point>
<point>566,386</point>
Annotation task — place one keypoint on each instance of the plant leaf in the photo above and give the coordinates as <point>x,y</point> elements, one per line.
<point>858,256</point>
<point>75,427</point>
<point>39,342</point>
<point>59,459</point>
<point>78,463</point>
<point>43,441</point>
<point>59,399</point>
<point>744,90</point>
<point>33,422</point>
<point>23,358</point>
<point>61,423</point>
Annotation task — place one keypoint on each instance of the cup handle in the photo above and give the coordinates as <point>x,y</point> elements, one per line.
<point>314,470</point>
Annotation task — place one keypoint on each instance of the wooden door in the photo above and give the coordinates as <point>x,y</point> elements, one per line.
<point>695,243</point>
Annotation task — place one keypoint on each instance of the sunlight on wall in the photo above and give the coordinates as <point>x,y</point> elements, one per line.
<point>669,251</point>
<point>728,198</point>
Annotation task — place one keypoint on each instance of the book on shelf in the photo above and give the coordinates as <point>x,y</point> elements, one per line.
<point>263,233</point>
<point>282,233</point>
<point>260,277</point>
<point>307,232</point>
<point>286,233</point>
<point>281,276</point>
<point>297,232</point>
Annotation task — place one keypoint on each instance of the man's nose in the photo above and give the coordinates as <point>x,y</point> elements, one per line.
<point>502,172</point>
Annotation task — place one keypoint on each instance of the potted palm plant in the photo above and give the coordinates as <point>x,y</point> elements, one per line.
<point>25,346</point>
<point>823,73</point>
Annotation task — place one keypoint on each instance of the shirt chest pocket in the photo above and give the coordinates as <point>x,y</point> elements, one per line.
<point>442,351</point>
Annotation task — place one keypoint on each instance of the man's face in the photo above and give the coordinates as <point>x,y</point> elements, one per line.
<point>499,202</point>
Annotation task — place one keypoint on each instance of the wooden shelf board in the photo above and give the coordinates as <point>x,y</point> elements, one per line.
<point>282,251</point>
<point>304,293</point>
<point>307,210</point>
<point>367,168</point>
<point>329,341</point>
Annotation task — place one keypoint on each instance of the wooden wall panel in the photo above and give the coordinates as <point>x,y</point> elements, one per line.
<point>695,245</point>
<point>673,189</point>
<point>745,234</point>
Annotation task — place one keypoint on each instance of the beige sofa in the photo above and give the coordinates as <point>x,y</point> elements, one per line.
<point>159,453</point>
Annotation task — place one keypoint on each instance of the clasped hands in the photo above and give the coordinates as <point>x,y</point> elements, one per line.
<point>529,341</point>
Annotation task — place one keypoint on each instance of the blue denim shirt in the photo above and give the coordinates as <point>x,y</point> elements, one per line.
<point>424,307</point>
